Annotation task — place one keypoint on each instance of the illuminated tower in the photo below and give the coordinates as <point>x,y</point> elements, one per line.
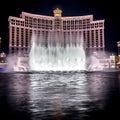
<point>57,12</point>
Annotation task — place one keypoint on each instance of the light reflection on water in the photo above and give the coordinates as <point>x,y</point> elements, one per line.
<point>57,91</point>
<point>58,95</point>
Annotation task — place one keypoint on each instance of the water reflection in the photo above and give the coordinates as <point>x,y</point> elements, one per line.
<point>18,90</point>
<point>53,93</point>
<point>97,87</point>
<point>58,95</point>
<point>14,101</point>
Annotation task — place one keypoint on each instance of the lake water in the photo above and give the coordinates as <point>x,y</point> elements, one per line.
<point>60,96</point>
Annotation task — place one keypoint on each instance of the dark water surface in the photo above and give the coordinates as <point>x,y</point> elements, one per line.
<point>60,96</point>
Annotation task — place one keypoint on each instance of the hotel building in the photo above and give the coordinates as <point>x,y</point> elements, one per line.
<point>55,28</point>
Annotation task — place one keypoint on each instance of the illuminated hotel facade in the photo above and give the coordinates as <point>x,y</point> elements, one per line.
<point>21,30</point>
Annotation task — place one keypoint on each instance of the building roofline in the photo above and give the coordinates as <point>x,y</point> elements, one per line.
<point>16,18</point>
<point>35,15</point>
<point>52,17</point>
<point>95,21</point>
<point>23,14</point>
<point>80,17</point>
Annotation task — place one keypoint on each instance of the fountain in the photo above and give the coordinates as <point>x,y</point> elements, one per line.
<point>55,54</point>
<point>57,57</point>
<point>67,54</point>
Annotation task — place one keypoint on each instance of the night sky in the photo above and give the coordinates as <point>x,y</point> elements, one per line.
<point>100,9</point>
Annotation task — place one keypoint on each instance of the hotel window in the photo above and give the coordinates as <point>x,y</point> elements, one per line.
<point>39,23</point>
<point>26,37</point>
<point>87,21</point>
<point>12,22</point>
<point>12,36</point>
<point>96,25</point>
<point>26,21</point>
<point>68,25</point>
<point>100,24</point>
<point>84,36</point>
<point>80,26</point>
<point>35,22</point>
<point>84,26</point>
<point>88,26</point>
<point>92,25</point>
<point>72,24</point>
<point>43,24</point>
<point>17,22</point>
<point>50,26</point>
<point>47,24</point>
<point>22,23</point>
<point>84,21</point>
<point>57,24</point>
<point>80,22</point>
<point>97,45</point>
<point>92,32</point>
<point>101,43</point>
<point>30,22</point>
<point>30,37</point>
<point>88,38</point>
<point>76,24</point>
<point>17,36</point>
<point>22,37</point>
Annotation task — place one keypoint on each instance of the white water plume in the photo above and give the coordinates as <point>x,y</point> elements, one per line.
<point>70,57</point>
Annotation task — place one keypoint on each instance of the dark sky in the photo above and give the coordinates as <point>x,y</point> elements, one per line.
<point>100,9</point>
